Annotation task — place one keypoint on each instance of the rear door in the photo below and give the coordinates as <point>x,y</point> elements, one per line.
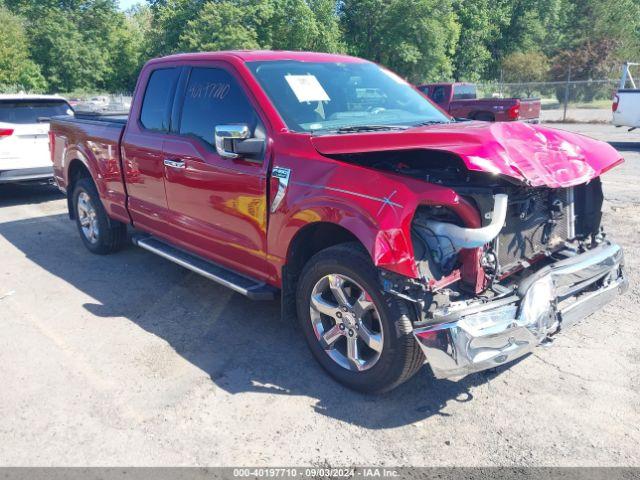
<point>141,150</point>
<point>463,100</point>
<point>24,126</point>
<point>218,205</point>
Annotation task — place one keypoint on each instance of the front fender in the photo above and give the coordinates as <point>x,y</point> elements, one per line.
<point>376,207</point>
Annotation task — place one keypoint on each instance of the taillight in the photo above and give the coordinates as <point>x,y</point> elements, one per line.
<point>514,112</point>
<point>614,105</point>
<point>6,132</point>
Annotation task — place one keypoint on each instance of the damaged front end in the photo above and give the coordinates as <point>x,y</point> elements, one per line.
<point>512,253</point>
<point>474,334</point>
<point>543,263</point>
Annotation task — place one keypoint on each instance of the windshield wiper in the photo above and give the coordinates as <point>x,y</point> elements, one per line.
<point>430,122</point>
<point>369,128</point>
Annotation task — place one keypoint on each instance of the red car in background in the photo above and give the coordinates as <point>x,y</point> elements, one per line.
<point>393,233</point>
<point>460,101</point>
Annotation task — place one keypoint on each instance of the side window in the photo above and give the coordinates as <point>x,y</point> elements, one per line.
<point>438,95</point>
<point>213,97</point>
<point>157,99</point>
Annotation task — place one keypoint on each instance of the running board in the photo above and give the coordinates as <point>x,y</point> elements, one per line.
<point>251,288</point>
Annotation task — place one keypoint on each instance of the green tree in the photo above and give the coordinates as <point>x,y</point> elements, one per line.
<point>481,22</point>
<point>129,49</point>
<point>292,26</point>
<point>16,67</point>
<point>272,24</point>
<point>68,60</point>
<point>220,26</point>
<point>604,33</point>
<point>329,37</point>
<point>529,66</point>
<point>81,44</point>
<point>170,18</point>
<point>416,38</point>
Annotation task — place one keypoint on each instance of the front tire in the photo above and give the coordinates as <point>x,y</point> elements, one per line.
<point>360,335</point>
<point>99,233</point>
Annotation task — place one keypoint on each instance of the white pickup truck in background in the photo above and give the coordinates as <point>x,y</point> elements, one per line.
<point>626,101</point>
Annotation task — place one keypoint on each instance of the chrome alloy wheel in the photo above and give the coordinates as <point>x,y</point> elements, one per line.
<point>346,322</point>
<point>88,217</point>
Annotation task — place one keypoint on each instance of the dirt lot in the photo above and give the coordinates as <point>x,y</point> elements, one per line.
<point>131,360</point>
<point>582,115</point>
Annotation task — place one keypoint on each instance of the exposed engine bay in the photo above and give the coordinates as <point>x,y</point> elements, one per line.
<point>523,228</point>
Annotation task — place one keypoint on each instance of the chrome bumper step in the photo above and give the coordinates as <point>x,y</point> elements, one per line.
<point>249,287</point>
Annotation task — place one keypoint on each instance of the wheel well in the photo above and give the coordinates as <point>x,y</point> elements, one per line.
<point>484,114</point>
<point>313,238</point>
<point>307,242</point>
<point>76,171</point>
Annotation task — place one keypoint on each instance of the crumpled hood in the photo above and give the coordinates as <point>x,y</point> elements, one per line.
<point>530,153</point>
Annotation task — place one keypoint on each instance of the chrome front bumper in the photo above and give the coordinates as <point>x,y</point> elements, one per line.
<point>474,337</point>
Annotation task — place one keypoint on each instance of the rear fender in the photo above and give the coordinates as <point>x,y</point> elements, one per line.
<point>104,168</point>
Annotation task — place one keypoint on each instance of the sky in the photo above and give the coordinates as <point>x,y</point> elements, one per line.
<point>124,4</point>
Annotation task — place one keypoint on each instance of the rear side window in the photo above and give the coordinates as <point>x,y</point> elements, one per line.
<point>158,97</point>
<point>464,92</point>
<point>213,97</point>
<point>32,111</point>
<point>439,94</point>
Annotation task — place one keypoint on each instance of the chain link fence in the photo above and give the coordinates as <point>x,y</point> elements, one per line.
<point>585,101</point>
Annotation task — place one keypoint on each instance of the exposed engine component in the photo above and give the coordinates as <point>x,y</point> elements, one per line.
<point>435,255</point>
<point>462,237</point>
<point>433,166</point>
<point>520,224</point>
<point>444,239</point>
<point>538,221</point>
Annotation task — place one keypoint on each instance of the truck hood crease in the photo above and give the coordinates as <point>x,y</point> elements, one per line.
<point>532,154</point>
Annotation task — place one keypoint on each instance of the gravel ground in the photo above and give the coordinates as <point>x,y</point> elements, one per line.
<point>583,115</point>
<point>131,360</point>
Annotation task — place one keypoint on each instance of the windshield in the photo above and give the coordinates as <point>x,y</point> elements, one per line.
<point>32,111</point>
<point>328,96</point>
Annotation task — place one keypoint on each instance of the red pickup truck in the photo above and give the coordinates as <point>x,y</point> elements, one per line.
<point>460,100</point>
<point>392,232</point>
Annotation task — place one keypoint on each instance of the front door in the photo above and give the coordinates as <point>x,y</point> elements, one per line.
<point>218,206</point>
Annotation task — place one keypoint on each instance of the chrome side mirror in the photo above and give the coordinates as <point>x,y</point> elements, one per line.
<point>225,135</point>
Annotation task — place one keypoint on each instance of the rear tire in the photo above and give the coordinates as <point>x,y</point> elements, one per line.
<point>386,353</point>
<point>99,233</point>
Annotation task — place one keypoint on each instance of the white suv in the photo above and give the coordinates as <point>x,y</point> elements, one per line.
<point>24,135</point>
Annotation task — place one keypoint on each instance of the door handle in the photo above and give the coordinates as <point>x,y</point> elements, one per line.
<point>173,163</point>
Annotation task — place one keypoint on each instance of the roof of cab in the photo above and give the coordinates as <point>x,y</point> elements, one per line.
<point>264,56</point>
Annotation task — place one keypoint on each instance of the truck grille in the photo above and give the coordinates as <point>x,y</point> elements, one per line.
<point>537,220</point>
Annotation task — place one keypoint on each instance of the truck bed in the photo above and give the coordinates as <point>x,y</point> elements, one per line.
<point>116,117</point>
<point>498,107</point>
<point>93,140</point>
